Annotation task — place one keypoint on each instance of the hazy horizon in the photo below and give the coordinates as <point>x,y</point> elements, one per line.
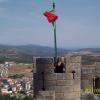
<point>47,46</point>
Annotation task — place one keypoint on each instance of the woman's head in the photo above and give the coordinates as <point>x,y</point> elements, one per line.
<point>60,59</point>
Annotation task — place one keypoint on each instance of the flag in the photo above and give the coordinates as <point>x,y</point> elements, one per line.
<point>50,16</point>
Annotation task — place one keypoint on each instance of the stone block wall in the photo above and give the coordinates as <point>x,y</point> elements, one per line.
<point>88,73</point>
<point>90,96</point>
<point>63,84</point>
<point>46,95</point>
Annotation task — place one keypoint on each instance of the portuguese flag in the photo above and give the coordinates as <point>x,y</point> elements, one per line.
<point>51,17</point>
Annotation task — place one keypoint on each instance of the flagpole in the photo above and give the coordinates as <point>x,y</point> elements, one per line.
<point>55,39</point>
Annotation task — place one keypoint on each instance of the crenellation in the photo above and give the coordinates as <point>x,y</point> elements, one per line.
<point>63,84</point>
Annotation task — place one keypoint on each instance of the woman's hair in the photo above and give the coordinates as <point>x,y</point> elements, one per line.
<point>62,59</point>
<point>58,59</point>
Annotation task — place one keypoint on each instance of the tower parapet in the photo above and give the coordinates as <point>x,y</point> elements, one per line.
<point>57,86</point>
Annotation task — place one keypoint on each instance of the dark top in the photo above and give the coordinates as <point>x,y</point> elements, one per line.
<point>59,68</point>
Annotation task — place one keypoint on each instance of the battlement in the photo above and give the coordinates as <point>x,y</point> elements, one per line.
<point>66,86</point>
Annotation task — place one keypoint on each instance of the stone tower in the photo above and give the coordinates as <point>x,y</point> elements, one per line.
<point>57,86</point>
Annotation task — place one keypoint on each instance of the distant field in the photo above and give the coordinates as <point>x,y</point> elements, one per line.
<point>21,70</point>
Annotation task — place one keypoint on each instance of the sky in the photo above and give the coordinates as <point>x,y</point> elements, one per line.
<point>22,22</point>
